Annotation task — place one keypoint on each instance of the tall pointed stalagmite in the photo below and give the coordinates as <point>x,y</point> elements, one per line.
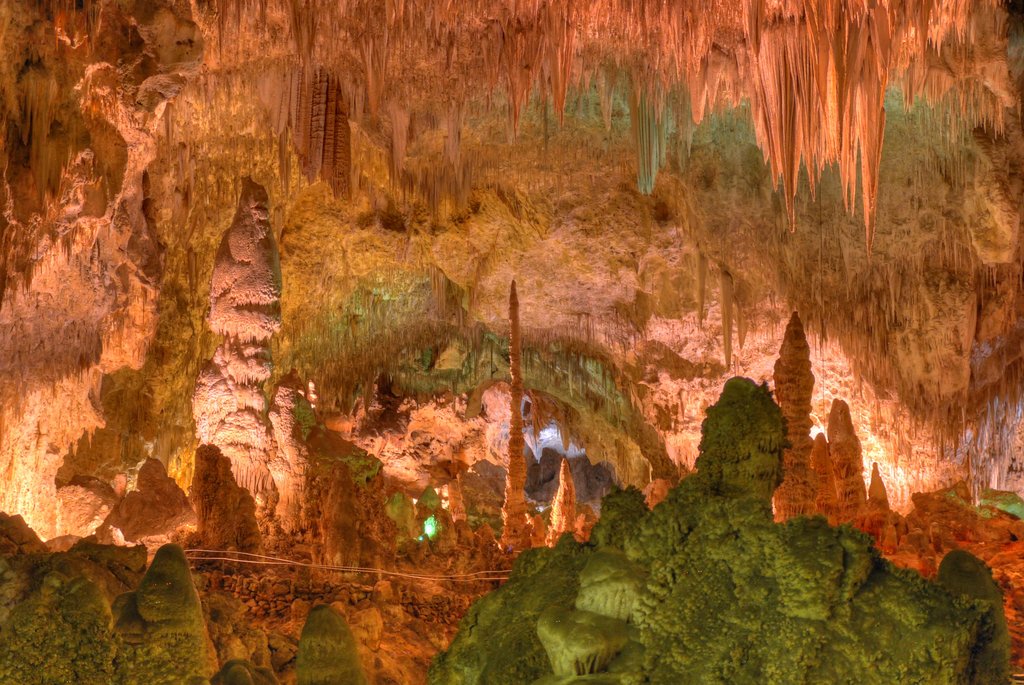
<point>794,387</point>
<point>563,506</point>
<point>516,522</point>
<point>877,494</point>
<point>847,464</point>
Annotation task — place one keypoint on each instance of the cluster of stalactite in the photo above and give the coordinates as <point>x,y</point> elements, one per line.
<point>815,71</point>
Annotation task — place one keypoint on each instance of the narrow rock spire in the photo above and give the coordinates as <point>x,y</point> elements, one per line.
<point>516,523</point>
<point>794,387</point>
<point>563,506</point>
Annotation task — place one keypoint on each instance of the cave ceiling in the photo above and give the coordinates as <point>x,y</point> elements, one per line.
<point>665,181</point>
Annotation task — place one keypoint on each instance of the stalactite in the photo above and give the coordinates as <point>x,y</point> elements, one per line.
<point>649,129</point>
<point>726,304</point>
<point>516,530</point>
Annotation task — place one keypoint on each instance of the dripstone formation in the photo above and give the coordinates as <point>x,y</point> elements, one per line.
<point>794,387</point>
<point>229,404</point>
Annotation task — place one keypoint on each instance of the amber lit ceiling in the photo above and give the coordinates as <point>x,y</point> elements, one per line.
<point>664,179</point>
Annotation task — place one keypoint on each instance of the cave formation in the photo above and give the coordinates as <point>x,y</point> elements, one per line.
<point>511,341</point>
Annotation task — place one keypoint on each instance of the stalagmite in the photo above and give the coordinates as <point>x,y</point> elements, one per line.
<point>877,496</point>
<point>515,533</point>
<point>821,470</point>
<point>847,465</point>
<point>563,506</point>
<point>794,387</point>
<point>229,404</point>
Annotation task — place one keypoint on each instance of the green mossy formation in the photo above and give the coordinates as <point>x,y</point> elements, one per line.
<point>64,629</point>
<point>964,574</point>
<point>327,651</point>
<point>162,626</point>
<point>61,634</point>
<point>497,642</point>
<point>711,590</point>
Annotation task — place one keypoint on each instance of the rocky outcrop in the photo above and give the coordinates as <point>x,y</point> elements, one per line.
<point>17,538</point>
<point>563,506</point>
<point>162,624</point>
<point>85,503</point>
<point>229,405</point>
<point>225,512</point>
<point>345,513</point>
<point>824,485</point>
<point>794,387</point>
<point>847,466</point>
<point>155,508</point>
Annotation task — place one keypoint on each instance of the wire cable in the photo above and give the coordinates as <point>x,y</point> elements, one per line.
<point>265,560</point>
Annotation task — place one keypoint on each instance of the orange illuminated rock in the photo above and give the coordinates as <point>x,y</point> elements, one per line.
<point>155,508</point>
<point>794,387</point>
<point>847,466</point>
<point>226,512</point>
<point>516,530</point>
<point>563,507</point>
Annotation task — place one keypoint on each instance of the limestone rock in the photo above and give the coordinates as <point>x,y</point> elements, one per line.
<point>580,642</point>
<point>241,672</point>
<point>715,570</point>
<point>821,466</point>
<point>17,538</point>
<point>964,574</point>
<point>292,418</point>
<point>162,624</point>
<point>85,503</point>
<point>877,496</point>
<point>794,387</point>
<point>516,531</point>
<point>847,474</point>
<point>228,404</point>
<point>344,506</point>
<point>610,585</point>
<point>740,444</point>
<point>156,507</point>
<point>225,512</point>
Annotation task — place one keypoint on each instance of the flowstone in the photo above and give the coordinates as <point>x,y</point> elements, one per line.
<point>707,588</point>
